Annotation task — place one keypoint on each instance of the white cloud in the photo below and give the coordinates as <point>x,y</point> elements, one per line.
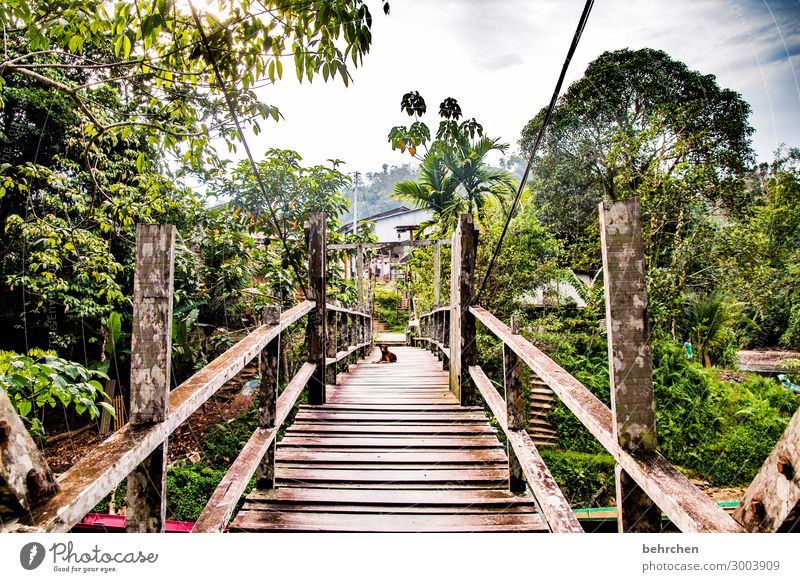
<point>501,59</point>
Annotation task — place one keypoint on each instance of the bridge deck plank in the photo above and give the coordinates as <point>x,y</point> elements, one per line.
<point>391,451</point>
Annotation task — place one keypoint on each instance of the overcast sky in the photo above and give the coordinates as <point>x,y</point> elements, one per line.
<point>501,59</point>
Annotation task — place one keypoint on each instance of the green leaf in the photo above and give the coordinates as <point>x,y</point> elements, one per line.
<point>122,46</point>
<point>107,406</point>
<point>75,44</point>
<point>24,408</point>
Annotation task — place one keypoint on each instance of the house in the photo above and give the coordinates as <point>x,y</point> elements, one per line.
<point>397,224</point>
<point>387,223</point>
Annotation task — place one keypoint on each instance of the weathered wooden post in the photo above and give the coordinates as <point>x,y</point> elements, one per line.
<point>463,352</point>
<point>363,323</point>
<point>268,367</point>
<point>774,495</point>
<point>434,333</point>
<point>353,357</point>
<point>514,408</point>
<point>315,332</point>
<point>344,336</point>
<point>151,358</point>
<point>370,334</point>
<point>632,405</point>
<point>25,477</point>
<point>446,339</point>
<point>360,277</point>
<point>437,273</point>
<point>437,325</point>
<point>359,324</point>
<point>333,345</point>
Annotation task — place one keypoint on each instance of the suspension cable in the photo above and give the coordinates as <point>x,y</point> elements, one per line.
<point>254,166</point>
<point>575,39</point>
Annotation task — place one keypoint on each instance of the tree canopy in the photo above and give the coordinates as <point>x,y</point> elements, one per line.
<point>172,69</point>
<point>639,123</point>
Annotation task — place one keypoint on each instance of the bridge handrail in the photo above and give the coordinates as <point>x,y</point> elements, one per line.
<point>554,507</point>
<point>340,309</point>
<point>435,310</point>
<point>434,327</point>
<point>93,477</point>
<point>219,509</point>
<point>687,506</point>
<point>136,450</point>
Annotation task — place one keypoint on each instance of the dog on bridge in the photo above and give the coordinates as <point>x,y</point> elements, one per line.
<point>387,357</point>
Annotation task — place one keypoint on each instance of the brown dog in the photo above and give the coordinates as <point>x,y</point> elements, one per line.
<point>387,357</point>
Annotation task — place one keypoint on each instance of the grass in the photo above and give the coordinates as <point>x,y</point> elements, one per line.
<point>388,310</point>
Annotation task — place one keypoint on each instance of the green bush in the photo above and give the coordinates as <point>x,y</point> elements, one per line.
<point>715,429</point>
<point>388,310</point>
<point>583,478</point>
<point>189,488</point>
<point>42,379</point>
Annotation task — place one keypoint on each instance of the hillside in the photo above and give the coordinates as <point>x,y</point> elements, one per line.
<point>375,190</point>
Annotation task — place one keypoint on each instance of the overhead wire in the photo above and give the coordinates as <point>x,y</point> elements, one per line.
<point>224,88</point>
<point>573,46</point>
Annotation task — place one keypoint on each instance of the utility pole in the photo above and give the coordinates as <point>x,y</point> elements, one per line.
<point>356,176</point>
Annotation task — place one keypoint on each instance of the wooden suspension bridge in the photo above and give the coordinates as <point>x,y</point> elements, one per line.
<point>402,447</point>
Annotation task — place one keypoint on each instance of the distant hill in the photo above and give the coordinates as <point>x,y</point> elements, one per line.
<point>375,190</point>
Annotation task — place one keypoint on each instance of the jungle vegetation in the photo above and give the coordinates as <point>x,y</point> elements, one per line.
<point>108,111</point>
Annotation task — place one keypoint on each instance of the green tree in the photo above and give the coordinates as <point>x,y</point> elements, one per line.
<point>454,176</point>
<point>375,191</point>
<point>709,320</point>
<point>93,98</point>
<point>641,119</point>
<point>175,69</point>
<point>639,123</point>
<point>467,164</point>
<point>434,190</point>
<point>759,254</point>
<point>277,214</point>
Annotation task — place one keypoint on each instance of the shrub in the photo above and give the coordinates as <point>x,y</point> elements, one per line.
<point>387,308</point>
<point>585,479</point>
<point>41,378</point>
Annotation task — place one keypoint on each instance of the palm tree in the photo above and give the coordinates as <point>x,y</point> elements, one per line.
<point>708,317</point>
<point>466,162</point>
<point>454,177</point>
<point>434,190</point>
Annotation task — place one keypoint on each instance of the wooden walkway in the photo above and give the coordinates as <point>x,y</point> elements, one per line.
<point>390,451</point>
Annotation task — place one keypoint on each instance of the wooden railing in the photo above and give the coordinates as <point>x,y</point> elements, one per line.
<point>138,450</point>
<point>349,336</point>
<point>434,330</point>
<point>687,507</point>
<point>93,477</point>
<point>643,475</point>
<point>336,336</point>
<point>353,335</point>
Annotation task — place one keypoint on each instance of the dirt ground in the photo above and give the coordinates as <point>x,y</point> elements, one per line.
<point>724,493</point>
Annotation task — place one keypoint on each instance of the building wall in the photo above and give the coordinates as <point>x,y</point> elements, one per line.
<point>385,228</point>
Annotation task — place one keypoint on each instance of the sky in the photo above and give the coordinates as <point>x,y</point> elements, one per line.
<point>501,58</point>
